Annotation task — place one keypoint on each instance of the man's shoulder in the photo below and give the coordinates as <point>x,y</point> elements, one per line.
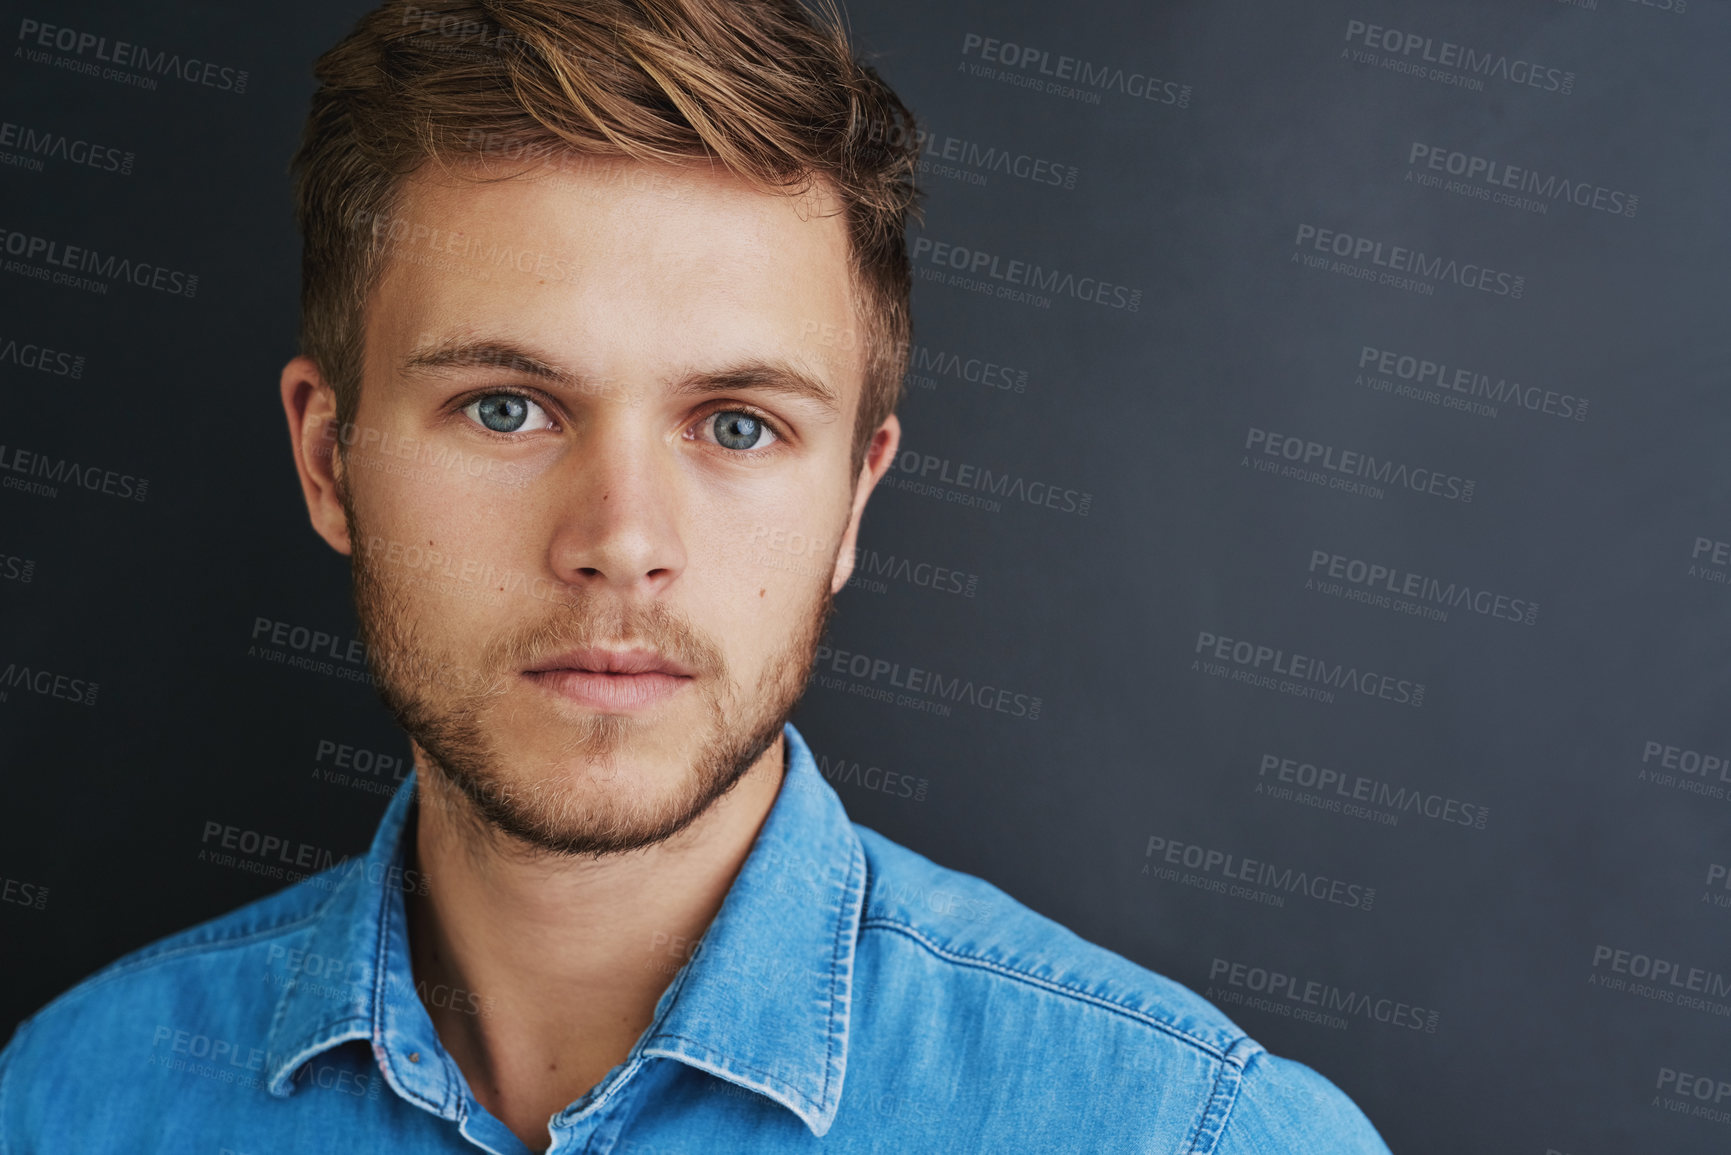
<point>937,937</point>
<point>217,969</point>
<point>967,923</point>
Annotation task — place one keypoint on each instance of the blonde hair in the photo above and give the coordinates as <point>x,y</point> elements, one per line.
<point>767,89</point>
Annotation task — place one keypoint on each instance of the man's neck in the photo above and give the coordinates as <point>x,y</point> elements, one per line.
<point>541,973</point>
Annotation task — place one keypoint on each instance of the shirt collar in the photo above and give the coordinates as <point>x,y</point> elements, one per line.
<point>346,975</point>
<point>763,1002</point>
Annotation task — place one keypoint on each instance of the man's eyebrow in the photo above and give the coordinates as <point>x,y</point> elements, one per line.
<point>770,376</point>
<point>484,355</point>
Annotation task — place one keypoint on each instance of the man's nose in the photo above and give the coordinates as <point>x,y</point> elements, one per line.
<point>618,517</point>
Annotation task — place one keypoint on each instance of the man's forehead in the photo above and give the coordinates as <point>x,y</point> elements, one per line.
<point>576,194</point>
<point>546,268</point>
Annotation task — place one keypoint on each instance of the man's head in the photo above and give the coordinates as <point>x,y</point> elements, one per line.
<point>604,322</point>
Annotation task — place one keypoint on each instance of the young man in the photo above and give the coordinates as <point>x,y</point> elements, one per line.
<point>598,295</point>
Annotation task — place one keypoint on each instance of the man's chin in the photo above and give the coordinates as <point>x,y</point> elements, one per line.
<point>618,785</point>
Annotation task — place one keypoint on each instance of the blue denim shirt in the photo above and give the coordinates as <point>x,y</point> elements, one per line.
<point>850,996</point>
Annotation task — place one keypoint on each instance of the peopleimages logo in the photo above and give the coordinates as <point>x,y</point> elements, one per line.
<point>1276,772</point>
<point>876,778</point>
<point>1163,853</point>
<point>300,639</point>
<point>933,687</point>
<point>1666,980</point>
<point>17,569</point>
<point>1444,60</point>
<point>1718,879</point>
<point>419,241</point>
<point>927,365</point>
<point>1077,79</point>
<point>65,471</point>
<point>1700,1096</point>
<point>1400,266</point>
<point>1391,587</point>
<point>1509,184</point>
<point>41,358</point>
<point>1439,382</point>
<point>80,259</point>
<point>970,161</point>
<point>1691,771</point>
<point>88,47</point>
<point>977,270</point>
<point>438,25</point>
<point>1715,569</point>
<point>1355,471</point>
<point>870,565</point>
<point>924,471</point>
<point>47,684</point>
<point>21,893</point>
<point>36,145</point>
<point>1274,668</point>
<point>1279,987</point>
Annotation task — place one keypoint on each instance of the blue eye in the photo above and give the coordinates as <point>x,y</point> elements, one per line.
<point>506,412</point>
<point>737,429</point>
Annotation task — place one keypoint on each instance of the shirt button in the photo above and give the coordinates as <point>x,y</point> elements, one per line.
<point>414,1056</point>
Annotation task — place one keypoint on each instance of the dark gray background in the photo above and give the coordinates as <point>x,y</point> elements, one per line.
<point>1496,930</point>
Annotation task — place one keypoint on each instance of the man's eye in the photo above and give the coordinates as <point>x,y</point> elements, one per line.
<point>737,429</point>
<point>508,413</point>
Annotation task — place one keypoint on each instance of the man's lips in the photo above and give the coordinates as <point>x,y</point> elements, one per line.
<point>596,660</point>
<point>611,680</point>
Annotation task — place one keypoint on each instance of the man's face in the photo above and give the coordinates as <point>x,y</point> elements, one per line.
<point>592,408</point>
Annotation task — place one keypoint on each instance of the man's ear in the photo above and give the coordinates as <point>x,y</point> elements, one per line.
<point>311,407</point>
<point>879,454</point>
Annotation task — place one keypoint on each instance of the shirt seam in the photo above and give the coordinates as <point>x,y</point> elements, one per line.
<point>287,1000</point>
<point>1205,1137</point>
<point>452,1100</point>
<point>1000,969</point>
<point>729,1062</point>
<point>126,968</point>
<point>856,868</point>
<point>328,1036</point>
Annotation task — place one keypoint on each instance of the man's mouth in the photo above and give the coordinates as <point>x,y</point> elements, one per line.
<point>611,680</point>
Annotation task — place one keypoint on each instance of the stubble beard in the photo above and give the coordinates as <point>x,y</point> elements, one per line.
<point>442,701</point>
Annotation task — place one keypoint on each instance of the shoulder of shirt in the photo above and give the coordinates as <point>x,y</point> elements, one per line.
<point>1253,1101</point>
<point>150,970</point>
<point>967,922</point>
